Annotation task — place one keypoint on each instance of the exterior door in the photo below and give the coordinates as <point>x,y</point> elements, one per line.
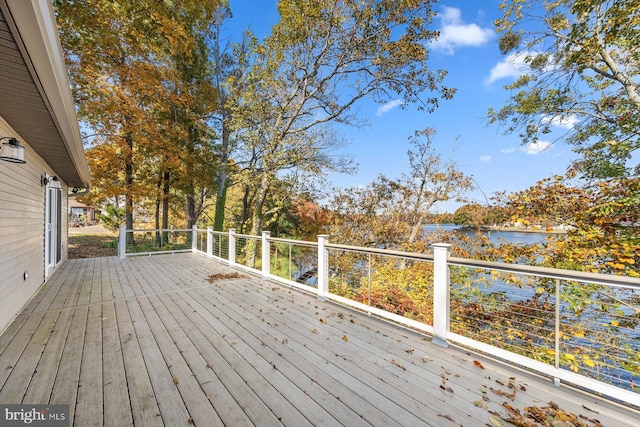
<point>53,230</point>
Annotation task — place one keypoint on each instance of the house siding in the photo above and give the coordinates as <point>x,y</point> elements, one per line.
<point>22,229</point>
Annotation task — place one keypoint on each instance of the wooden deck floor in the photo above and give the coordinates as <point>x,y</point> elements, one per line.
<point>149,341</point>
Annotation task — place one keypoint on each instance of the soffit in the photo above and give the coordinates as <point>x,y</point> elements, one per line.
<point>25,107</point>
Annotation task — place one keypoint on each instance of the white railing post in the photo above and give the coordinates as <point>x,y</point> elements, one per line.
<point>441,293</point>
<point>266,254</point>
<point>194,238</point>
<point>323,266</point>
<point>122,241</point>
<point>209,241</point>
<point>232,246</point>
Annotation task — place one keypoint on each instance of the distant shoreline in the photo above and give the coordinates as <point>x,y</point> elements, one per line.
<point>518,229</point>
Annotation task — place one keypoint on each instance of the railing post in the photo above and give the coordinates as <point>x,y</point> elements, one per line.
<point>194,238</point>
<point>441,294</point>
<point>122,241</point>
<point>209,241</point>
<point>232,246</point>
<point>266,254</point>
<point>323,267</point>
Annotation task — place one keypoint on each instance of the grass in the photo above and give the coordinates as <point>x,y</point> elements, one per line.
<point>92,246</point>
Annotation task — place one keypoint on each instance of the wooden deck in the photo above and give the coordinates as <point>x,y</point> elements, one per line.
<point>148,341</point>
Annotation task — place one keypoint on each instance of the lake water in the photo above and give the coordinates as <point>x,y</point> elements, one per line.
<point>494,236</point>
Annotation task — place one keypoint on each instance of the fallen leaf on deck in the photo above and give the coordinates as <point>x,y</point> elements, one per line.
<point>480,404</point>
<point>478,364</point>
<point>221,276</point>
<point>589,409</point>
<point>447,417</point>
<point>323,321</point>
<point>496,391</point>
<point>426,359</point>
<point>209,365</point>
<point>550,415</point>
<point>314,330</point>
<point>398,364</point>
<point>409,350</point>
<point>499,422</point>
<point>175,380</point>
<point>344,338</point>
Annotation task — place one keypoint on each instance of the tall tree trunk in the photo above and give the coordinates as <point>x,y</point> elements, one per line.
<point>157,212</point>
<point>128,185</point>
<point>258,217</point>
<point>166,185</point>
<point>246,208</point>
<point>221,196</point>
<point>191,205</point>
<point>221,201</point>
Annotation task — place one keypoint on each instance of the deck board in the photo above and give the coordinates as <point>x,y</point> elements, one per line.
<point>65,388</point>
<point>89,404</point>
<point>149,341</point>
<point>116,392</point>
<point>144,407</point>
<point>22,371</point>
<point>41,385</point>
<point>353,364</point>
<point>172,408</point>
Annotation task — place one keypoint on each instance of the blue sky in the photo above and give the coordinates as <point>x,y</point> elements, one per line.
<point>467,49</point>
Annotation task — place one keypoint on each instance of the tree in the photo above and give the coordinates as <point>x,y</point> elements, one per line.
<point>130,64</point>
<point>230,65</point>
<point>320,59</point>
<point>392,213</point>
<point>581,62</point>
<point>471,215</point>
<point>602,221</point>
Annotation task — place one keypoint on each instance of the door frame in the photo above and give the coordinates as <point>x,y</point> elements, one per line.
<point>52,226</point>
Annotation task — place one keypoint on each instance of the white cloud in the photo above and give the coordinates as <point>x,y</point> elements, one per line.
<point>513,66</point>
<point>563,122</point>
<point>537,147</point>
<point>485,159</point>
<point>388,106</point>
<point>508,150</point>
<point>455,33</point>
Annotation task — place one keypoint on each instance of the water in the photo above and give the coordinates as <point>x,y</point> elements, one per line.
<point>494,236</point>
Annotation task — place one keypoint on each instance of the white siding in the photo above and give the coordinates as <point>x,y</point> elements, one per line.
<point>22,225</point>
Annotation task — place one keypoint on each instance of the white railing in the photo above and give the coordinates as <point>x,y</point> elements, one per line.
<point>574,327</point>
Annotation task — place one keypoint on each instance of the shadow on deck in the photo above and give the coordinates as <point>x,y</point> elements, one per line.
<point>181,340</point>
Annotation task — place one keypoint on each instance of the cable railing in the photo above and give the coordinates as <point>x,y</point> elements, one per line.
<point>152,242</point>
<point>574,327</point>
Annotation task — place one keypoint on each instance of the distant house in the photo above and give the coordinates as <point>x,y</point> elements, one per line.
<point>79,212</point>
<point>37,114</point>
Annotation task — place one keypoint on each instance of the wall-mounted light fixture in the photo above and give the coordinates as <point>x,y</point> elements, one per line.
<point>46,179</point>
<point>11,151</point>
